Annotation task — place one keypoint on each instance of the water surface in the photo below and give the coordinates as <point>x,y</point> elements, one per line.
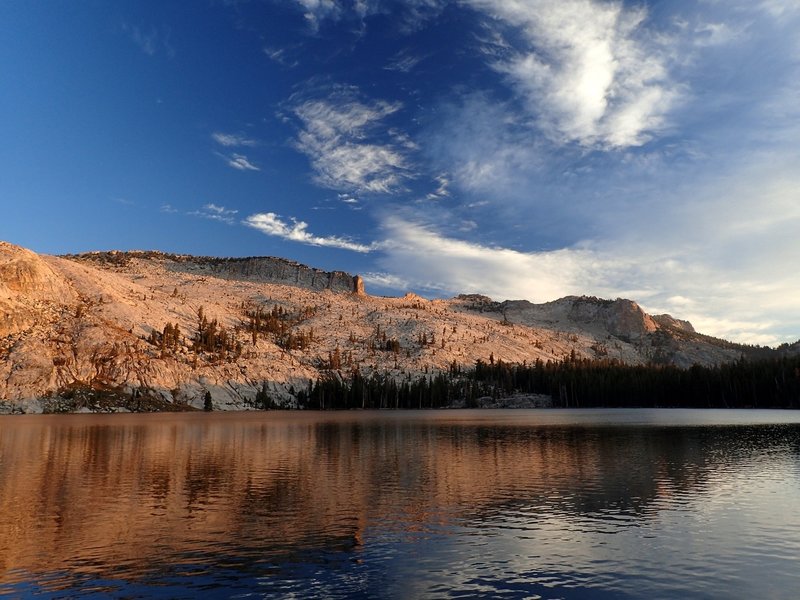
<point>517,504</point>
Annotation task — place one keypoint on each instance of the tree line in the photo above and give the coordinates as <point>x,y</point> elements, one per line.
<point>571,383</point>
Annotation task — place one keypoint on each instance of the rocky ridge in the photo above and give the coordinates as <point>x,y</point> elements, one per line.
<point>149,330</point>
<point>263,269</point>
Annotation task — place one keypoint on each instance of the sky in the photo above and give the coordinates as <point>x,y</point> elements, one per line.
<point>522,149</point>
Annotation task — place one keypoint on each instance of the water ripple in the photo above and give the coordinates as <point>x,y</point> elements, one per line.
<point>437,505</point>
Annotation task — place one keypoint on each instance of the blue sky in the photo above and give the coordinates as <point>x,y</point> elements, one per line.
<point>521,149</point>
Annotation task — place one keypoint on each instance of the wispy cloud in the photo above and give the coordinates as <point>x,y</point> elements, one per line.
<point>587,70</point>
<point>215,213</point>
<point>281,56</point>
<point>316,11</point>
<point>235,140</point>
<point>341,136</point>
<point>238,161</point>
<point>412,14</point>
<point>297,231</point>
<point>461,266</point>
<point>232,140</point>
<point>147,41</point>
<point>350,201</point>
<point>715,34</point>
<point>404,62</point>
<point>779,8</point>
<point>150,40</point>
<point>442,188</point>
<point>483,145</point>
<point>385,280</point>
<point>167,208</point>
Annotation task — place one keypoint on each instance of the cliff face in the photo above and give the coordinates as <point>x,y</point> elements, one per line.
<point>150,330</point>
<point>271,270</point>
<point>668,321</point>
<point>261,269</point>
<point>27,285</point>
<point>619,318</point>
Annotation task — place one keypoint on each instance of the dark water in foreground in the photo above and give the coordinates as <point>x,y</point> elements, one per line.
<point>517,504</point>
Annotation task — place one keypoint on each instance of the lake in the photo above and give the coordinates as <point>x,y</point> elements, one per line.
<point>510,504</point>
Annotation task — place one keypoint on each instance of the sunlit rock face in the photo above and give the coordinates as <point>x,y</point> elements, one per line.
<point>668,321</point>
<point>24,273</point>
<point>97,321</point>
<point>619,318</point>
<point>28,289</point>
<point>626,318</point>
<point>270,270</point>
<point>358,286</point>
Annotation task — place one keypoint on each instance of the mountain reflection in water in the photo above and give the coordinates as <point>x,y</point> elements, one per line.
<point>514,503</point>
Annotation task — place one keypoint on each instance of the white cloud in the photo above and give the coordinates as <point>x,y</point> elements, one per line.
<point>412,13</point>
<point>348,199</point>
<point>235,140</point>
<point>467,225</point>
<point>715,34</point>
<point>280,56</point>
<point>168,208</point>
<point>586,70</point>
<point>385,280</point>
<point>219,210</point>
<point>232,139</point>
<point>403,62</point>
<point>215,213</point>
<point>442,188</point>
<point>779,8</point>
<point>297,231</point>
<point>335,137</point>
<point>239,162</point>
<point>426,259</point>
<point>319,10</point>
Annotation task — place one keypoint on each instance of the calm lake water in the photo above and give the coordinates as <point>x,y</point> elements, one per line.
<point>512,504</point>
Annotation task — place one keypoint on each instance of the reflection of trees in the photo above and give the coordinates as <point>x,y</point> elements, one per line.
<point>414,469</point>
<point>160,488</point>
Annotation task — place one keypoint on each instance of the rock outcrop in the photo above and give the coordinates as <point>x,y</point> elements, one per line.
<point>263,269</point>
<point>27,287</point>
<point>271,270</point>
<point>623,319</point>
<point>358,286</point>
<point>24,273</point>
<point>670,321</point>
